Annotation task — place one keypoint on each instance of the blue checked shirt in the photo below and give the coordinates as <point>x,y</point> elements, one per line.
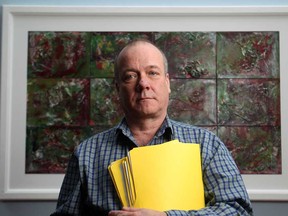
<point>88,189</point>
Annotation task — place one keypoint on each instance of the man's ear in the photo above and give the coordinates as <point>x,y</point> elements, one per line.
<point>168,82</point>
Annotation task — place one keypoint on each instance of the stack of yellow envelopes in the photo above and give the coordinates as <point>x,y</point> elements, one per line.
<point>160,177</point>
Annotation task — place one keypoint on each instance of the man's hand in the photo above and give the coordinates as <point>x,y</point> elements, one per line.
<point>136,212</point>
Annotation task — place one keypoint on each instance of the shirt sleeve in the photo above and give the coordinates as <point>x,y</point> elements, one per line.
<point>69,200</point>
<point>225,193</point>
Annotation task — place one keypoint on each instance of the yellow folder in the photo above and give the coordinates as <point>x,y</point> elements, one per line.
<point>160,177</point>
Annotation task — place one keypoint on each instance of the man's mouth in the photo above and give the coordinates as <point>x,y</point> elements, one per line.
<point>144,98</point>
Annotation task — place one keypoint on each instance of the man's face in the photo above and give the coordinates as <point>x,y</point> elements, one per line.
<point>143,85</point>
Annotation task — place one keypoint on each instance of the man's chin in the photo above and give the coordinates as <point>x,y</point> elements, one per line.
<point>146,114</point>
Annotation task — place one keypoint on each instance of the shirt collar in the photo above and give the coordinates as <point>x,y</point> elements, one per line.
<point>166,129</point>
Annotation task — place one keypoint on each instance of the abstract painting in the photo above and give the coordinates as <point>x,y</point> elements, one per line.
<point>226,82</point>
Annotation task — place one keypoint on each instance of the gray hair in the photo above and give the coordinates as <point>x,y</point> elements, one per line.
<point>132,43</point>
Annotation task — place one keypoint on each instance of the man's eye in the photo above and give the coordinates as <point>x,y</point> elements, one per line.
<point>130,77</point>
<point>153,73</point>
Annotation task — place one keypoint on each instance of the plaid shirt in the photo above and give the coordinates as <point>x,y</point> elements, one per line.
<point>88,189</point>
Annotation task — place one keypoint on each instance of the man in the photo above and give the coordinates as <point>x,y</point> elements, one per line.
<point>143,85</point>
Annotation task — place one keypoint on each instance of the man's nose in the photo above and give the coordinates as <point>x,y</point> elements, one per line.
<point>143,84</point>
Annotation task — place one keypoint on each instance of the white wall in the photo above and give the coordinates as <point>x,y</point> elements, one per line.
<point>147,2</point>
<point>39,208</point>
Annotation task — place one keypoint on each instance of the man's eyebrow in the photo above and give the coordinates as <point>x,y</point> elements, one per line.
<point>129,70</point>
<point>135,70</point>
<point>153,66</point>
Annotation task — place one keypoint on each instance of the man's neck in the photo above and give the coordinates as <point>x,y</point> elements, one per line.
<point>144,130</point>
